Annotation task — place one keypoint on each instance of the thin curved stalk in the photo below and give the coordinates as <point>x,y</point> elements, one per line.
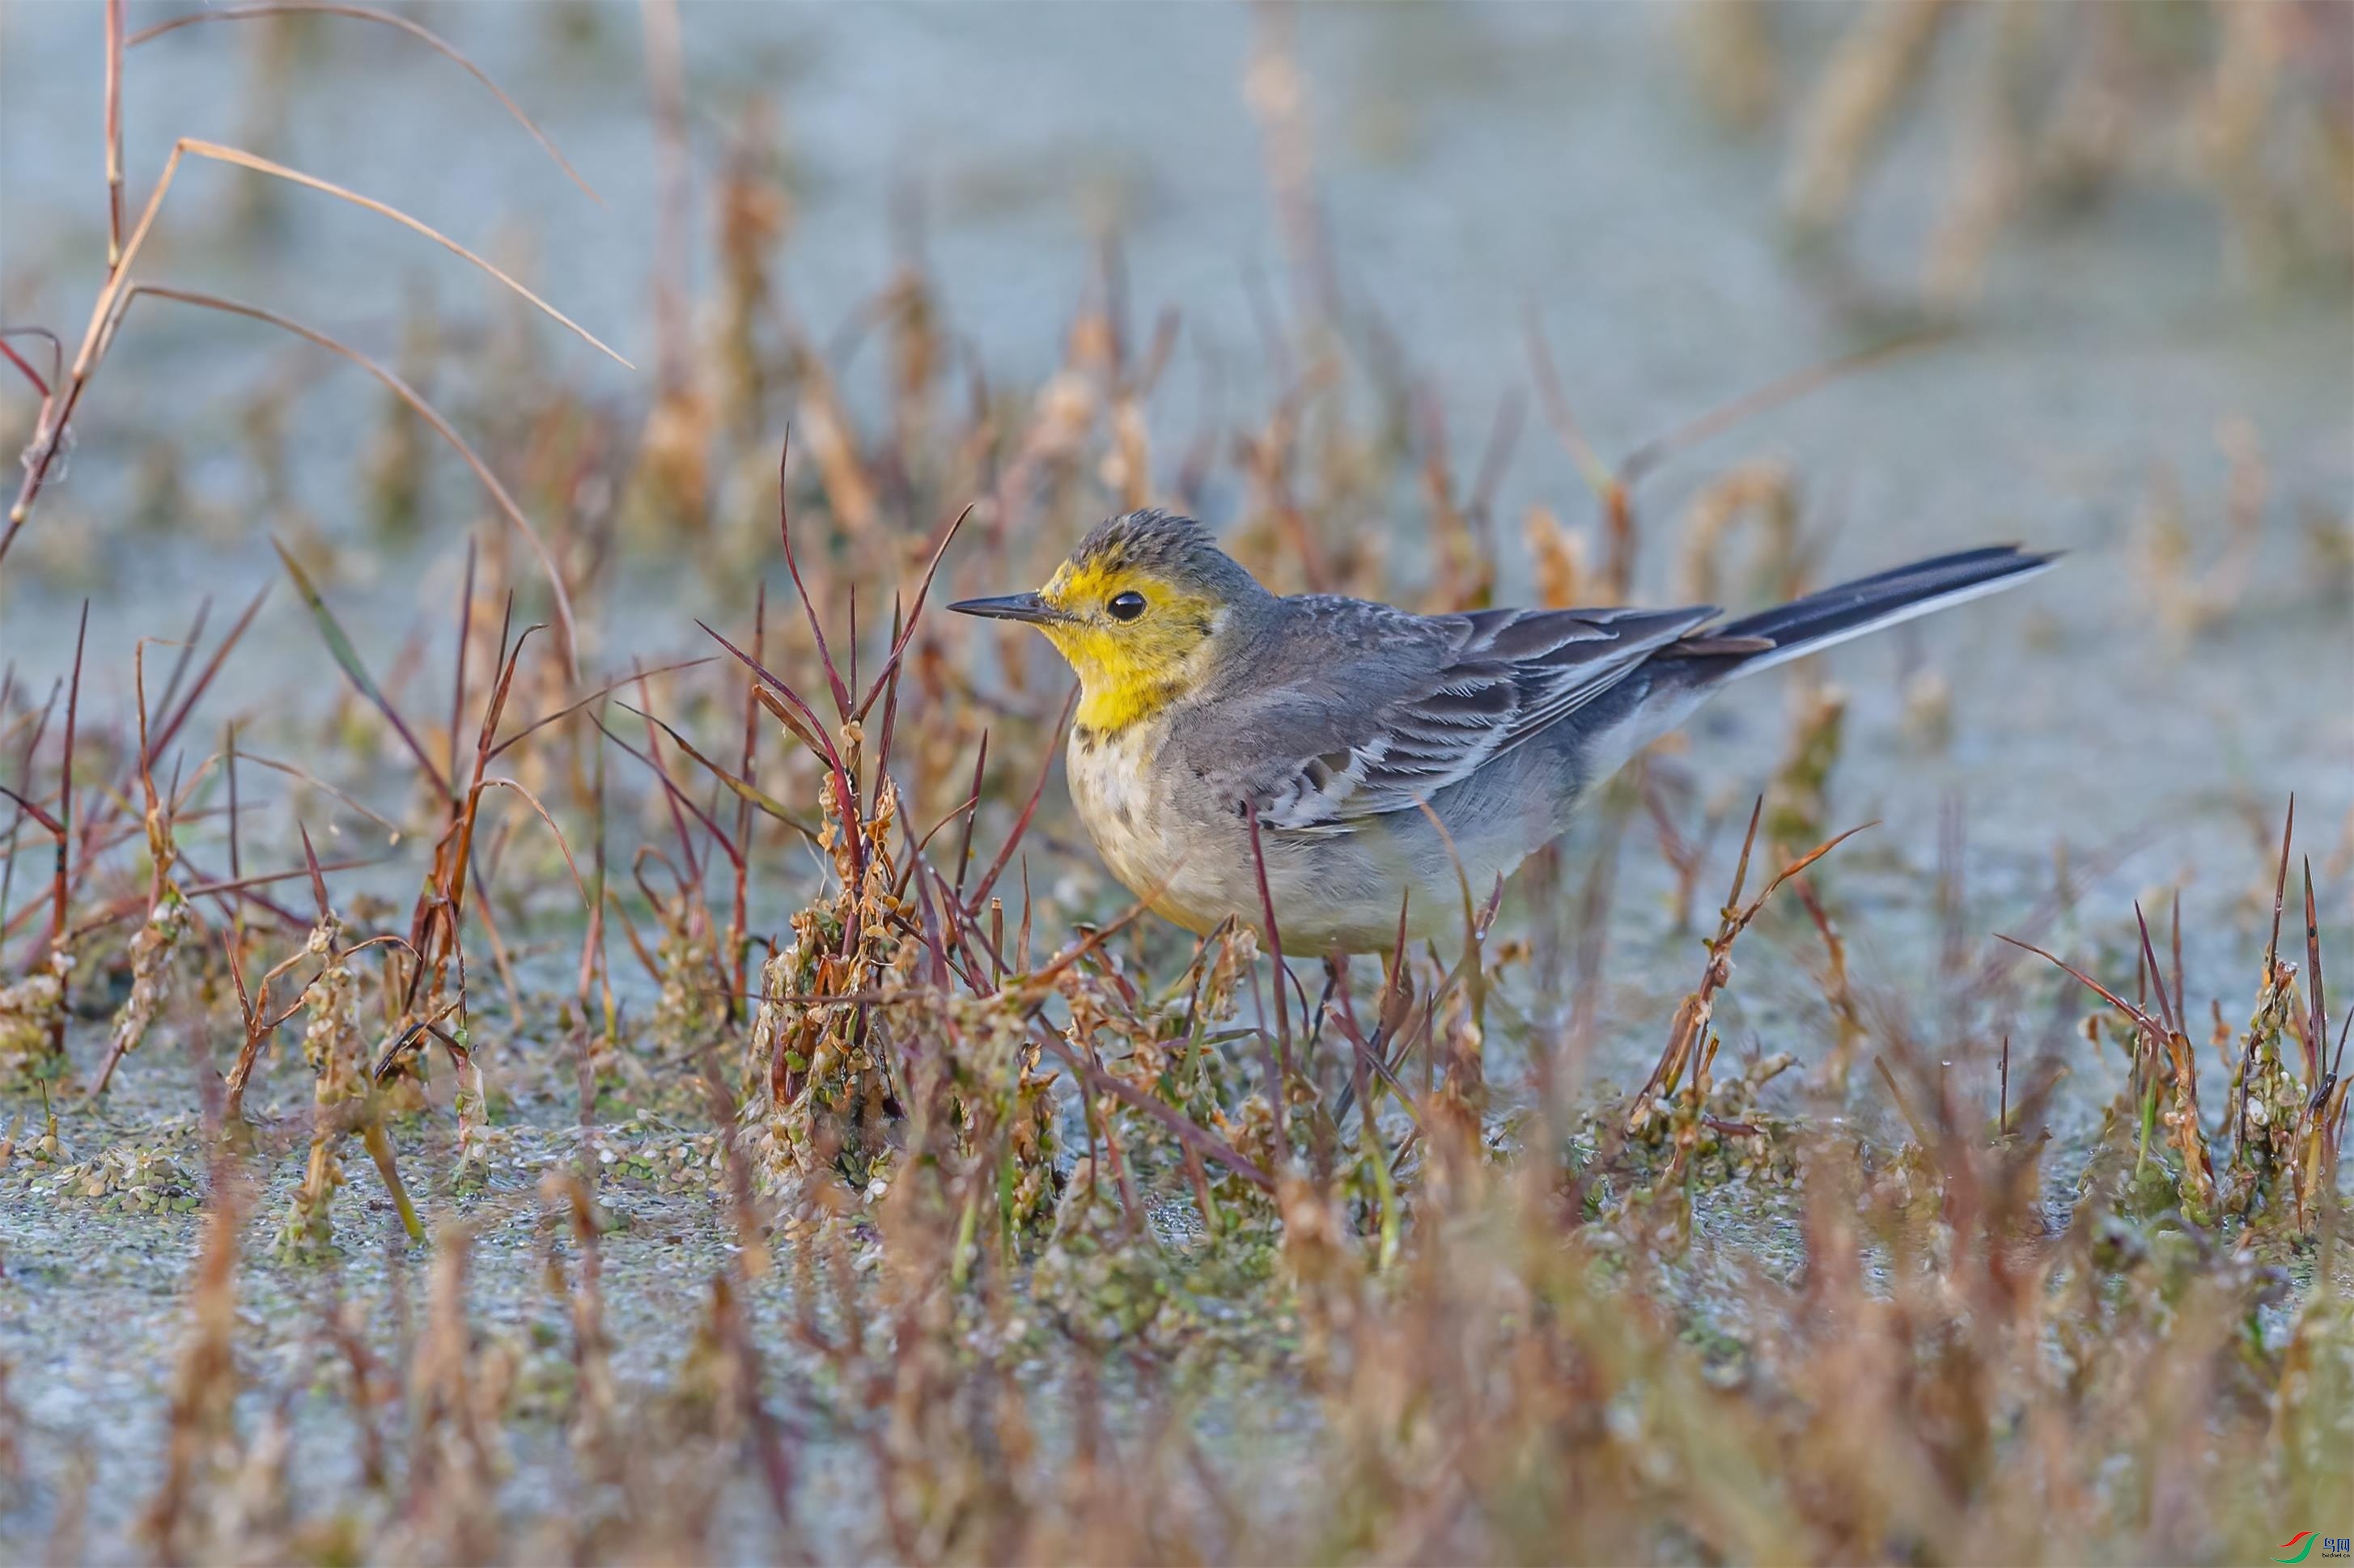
<point>238,158</point>
<point>423,35</point>
<point>423,409</point>
<point>587,900</point>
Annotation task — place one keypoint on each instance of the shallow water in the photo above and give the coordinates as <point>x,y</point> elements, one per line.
<point>1473,165</point>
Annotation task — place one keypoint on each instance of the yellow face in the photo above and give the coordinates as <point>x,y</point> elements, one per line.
<point>1131,633</point>
<point>1135,634</point>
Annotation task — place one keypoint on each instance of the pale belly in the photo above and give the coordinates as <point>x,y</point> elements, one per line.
<point>1341,893</point>
<point>1178,872</point>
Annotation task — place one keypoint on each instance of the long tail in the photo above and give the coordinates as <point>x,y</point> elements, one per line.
<point>1821,620</point>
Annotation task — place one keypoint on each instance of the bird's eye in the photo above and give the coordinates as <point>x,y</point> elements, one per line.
<point>1126,606</point>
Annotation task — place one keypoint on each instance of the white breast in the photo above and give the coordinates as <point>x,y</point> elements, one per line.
<point>1110,789</point>
<point>1141,840</point>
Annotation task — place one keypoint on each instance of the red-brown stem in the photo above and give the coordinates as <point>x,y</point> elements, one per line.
<point>2140,1017</point>
<point>672,791</point>
<point>465,634</point>
<point>592,941</point>
<point>785,536</point>
<point>812,730</point>
<point>194,890</point>
<point>40,386</point>
<point>1188,1132</point>
<point>2182,993</point>
<point>64,780</point>
<point>890,697</point>
<point>2280,891</point>
<point>907,635</point>
<point>24,783</point>
<point>111,807</point>
<point>189,641</point>
<point>1280,1092</point>
<point>2002,1112</point>
<point>1022,824</point>
<point>929,933</point>
<point>170,728</point>
<point>738,934</point>
<point>678,799</point>
<point>1021,938</point>
<point>318,877</point>
<point>236,870</point>
<point>61,890</point>
<point>2316,1030</point>
<point>2166,1012</point>
<point>435,950</point>
<point>161,871</point>
<point>972,815</point>
<point>607,690</point>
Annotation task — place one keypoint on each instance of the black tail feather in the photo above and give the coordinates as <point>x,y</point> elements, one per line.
<point>1852,608</point>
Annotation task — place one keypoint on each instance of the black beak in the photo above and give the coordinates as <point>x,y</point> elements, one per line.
<point>1027,606</point>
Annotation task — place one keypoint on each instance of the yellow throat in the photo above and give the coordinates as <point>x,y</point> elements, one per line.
<point>1128,672</point>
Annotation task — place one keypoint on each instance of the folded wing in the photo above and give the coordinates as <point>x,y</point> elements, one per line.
<point>1390,708</point>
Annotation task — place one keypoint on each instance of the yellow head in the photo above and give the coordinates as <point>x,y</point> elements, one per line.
<point>1138,610</point>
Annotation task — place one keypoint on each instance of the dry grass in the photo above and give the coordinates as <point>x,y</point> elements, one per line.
<point>1057,1238</point>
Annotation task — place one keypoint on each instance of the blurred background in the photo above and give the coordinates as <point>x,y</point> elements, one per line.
<point>1139,248</point>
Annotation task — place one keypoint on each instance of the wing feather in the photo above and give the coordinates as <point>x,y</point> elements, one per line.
<point>1405,705</point>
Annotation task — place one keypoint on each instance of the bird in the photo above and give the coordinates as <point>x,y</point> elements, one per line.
<point>1345,770</point>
